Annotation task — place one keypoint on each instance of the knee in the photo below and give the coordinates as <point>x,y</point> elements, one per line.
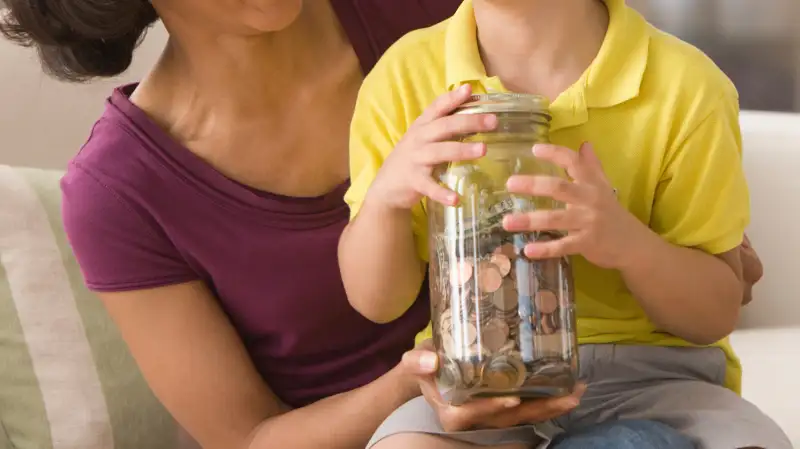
<point>396,441</point>
<point>416,440</point>
<point>424,441</point>
<point>634,434</point>
<point>644,434</point>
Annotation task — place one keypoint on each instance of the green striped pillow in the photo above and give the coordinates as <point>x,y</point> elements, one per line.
<point>67,380</point>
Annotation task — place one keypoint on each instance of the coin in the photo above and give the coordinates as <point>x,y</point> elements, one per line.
<point>467,333</point>
<point>503,373</point>
<point>503,263</point>
<point>480,352</point>
<point>469,373</point>
<point>449,373</point>
<point>461,273</point>
<point>495,335</point>
<point>506,249</point>
<point>547,324</point>
<point>489,277</point>
<point>499,379</point>
<point>546,301</point>
<point>505,299</point>
<point>509,347</point>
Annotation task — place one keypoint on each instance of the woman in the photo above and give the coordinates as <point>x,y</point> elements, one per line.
<point>206,207</point>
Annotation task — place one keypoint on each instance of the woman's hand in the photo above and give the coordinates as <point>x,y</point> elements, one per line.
<point>481,413</point>
<point>598,227</point>
<point>407,174</point>
<point>752,269</point>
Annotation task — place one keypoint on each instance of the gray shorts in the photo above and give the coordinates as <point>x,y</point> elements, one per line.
<point>681,387</point>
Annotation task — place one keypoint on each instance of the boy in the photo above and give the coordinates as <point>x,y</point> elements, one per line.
<point>657,265</point>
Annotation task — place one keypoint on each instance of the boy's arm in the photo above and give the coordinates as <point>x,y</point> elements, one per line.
<point>688,275</point>
<point>381,270</point>
<point>379,254</point>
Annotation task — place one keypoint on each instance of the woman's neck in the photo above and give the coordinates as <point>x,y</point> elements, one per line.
<point>540,46</point>
<point>207,79</point>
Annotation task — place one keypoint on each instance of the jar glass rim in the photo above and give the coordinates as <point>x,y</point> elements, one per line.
<point>506,103</point>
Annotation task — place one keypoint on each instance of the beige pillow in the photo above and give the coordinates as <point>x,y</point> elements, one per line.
<point>67,380</point>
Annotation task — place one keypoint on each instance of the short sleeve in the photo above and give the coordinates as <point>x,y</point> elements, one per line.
<point>379,122</point>
<point>702,200</point>
<point>116,248</point>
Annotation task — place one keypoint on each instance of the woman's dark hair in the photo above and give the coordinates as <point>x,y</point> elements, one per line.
<point>78,39</point>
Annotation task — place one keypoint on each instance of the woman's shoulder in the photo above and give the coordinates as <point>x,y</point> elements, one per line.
<point>109,193</point>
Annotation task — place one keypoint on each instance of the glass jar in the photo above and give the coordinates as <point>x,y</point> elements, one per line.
<point>503,324</point>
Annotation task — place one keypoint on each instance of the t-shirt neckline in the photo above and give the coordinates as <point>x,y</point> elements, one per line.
<point>270,207</point>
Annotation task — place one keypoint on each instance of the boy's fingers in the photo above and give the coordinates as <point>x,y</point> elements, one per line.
<point>445,104</point>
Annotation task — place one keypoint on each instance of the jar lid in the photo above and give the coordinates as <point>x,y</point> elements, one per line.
<point>506,102</point>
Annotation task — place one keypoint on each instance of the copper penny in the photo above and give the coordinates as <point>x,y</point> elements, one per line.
<point>449,373</point>
<point>547,325</point>
<point>550,345</point>
<point>508,348</point>
<point>461,273</point>
<point>505,299</point>
<point>504,373</point>
<point>507,249</point>
<point>470,333</point>
<point>546,301</point>
<point>489,278</point>
<point>503,263</point>
<point>480,351</point>
<point>469,373</point>
<point>495,335</point>
<point>499,380</point>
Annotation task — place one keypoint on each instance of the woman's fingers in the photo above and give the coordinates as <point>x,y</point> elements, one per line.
<point>427,384</point>
<point>475,413</point>
<point>420,362</point>
<point>547,409</point>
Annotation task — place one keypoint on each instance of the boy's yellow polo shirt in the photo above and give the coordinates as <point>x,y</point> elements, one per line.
<point>661,116</point>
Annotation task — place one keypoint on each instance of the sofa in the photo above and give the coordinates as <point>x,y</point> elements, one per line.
<point>67,380</point>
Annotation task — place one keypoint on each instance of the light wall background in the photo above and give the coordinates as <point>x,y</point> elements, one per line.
<point>44,122</point>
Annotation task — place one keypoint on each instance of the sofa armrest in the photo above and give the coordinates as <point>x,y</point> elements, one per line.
<point>770,362</point>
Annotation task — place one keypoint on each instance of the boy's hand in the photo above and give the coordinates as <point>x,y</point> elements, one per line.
<point>598,227</point>
<point>407,174</point>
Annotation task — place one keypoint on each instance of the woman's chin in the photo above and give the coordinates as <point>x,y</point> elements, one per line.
<point>275,15</point>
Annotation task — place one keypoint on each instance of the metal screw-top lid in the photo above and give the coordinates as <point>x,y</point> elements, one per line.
<point>506,102</point>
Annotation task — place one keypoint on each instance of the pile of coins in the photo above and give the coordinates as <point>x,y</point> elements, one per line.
<point>503,322</point>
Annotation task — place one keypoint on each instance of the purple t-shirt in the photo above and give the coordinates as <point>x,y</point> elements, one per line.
<point>142,211</point>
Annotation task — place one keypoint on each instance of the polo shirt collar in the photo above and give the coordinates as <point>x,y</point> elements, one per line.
<point>614,77</point>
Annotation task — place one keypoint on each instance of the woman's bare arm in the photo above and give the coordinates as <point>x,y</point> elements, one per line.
<point>196,364</point>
